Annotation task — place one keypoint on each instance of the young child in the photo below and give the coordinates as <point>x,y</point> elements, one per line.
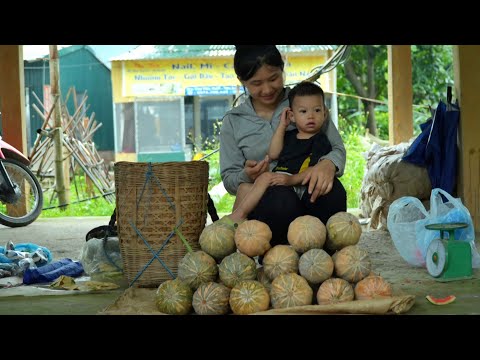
<point>296,150</point>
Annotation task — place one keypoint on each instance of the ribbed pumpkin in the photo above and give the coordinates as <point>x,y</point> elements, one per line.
<point>290,290</point>
<point>248,297</point>
<point>373,286</point>
<point>280,259</point>
<point>334,290</point>
<point>315,266</point>
<point>197,268</point>
<point>306,232</point>
<point>343,229</point>
<point>263,279</point>
<point>217,240</point>
<point>252,237</point>
<point>211,299</point>
<point>352,264</point>
<point>174,297</point>
<point>236,267</point>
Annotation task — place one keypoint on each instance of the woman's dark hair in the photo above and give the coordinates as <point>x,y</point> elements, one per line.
<point>305,88</point>
<point>249,58</point>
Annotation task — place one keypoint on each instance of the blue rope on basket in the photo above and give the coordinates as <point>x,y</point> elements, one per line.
<point>149,175</point>
<point>155,254</point>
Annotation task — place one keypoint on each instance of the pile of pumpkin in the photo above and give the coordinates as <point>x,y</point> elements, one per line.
<point>224,276</point>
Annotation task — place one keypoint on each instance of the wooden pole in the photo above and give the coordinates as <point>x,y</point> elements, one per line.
<point>400,94</point>
<point>62,179</point>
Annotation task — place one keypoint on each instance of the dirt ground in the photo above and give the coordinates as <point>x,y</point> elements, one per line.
<point>65,237</point>
<point>406,279</point>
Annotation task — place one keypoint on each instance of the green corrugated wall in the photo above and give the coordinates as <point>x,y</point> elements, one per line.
<point>81,69</point>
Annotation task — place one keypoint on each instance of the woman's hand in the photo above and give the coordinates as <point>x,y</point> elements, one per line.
<point>255,168</point>
<point>319,179</point>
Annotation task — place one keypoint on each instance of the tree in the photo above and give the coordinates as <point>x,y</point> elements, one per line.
<point>365,71</point>
<point>432,72</point>
<point>365,74</point>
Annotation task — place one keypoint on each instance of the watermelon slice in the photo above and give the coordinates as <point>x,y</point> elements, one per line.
<point>441,301</point>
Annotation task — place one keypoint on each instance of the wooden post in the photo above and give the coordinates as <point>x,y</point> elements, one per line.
<point>62,170</point>
<point>12,108</point>
<point>12,96</point>
<point>400,94</point>
<point>466,61</point>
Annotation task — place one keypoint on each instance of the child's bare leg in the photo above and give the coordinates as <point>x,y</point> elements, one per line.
<point>248,197</point>
<point>242,192</point>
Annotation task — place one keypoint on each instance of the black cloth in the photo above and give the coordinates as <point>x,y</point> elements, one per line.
<point>296,151</point>
<point>280,205</point>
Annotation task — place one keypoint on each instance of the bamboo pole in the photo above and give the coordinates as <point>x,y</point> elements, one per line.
<point>62,182</point>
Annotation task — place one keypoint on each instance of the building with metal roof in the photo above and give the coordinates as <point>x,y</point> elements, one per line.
<point>151,52</point>
<point>169,99</point>
<point>79,68</point>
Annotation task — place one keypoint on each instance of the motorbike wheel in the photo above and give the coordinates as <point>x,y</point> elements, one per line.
<point>28,206</point>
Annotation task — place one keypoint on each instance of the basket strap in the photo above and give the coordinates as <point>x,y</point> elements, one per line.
<point>211,209</point>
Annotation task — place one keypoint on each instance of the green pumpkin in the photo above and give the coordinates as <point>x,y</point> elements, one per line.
<point>237,267</point>
<point>197,268</point>
<point>211,299</point>
<point>174,297</point>
<point>217,240</point>
<point>316,266</point>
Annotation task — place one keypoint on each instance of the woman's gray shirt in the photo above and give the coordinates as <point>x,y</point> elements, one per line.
<point>246,136</point>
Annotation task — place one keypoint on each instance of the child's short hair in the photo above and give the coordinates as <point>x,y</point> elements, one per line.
<point>305,88</point>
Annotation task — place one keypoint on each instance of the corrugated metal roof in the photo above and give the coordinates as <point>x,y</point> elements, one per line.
<point>36,52</point>
<point>64,50</point>
<point>147,52</point>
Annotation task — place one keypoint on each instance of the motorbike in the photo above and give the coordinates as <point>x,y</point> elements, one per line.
<point>21,195</point>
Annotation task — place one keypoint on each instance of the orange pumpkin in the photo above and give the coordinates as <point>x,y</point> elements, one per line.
<point>306,232</point>
<point>252,237</point>
<point>334,291</point>
<point>248,297</point>
<point>290,290</point>
<point>373,286</point>
<point>280,259</point>
<point>352,264</point>
<point>343,229</point>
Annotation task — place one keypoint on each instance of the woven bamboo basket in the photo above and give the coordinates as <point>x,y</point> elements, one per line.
<point>185,184</point>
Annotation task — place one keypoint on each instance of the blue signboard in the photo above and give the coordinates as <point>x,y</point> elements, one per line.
<point>211,90</point>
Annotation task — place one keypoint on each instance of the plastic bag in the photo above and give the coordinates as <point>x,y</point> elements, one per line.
<point>403,215</point>
<point>407,218</point>
<point>102,260</point>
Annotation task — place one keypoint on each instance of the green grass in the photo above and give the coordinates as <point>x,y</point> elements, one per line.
<point>95,207</point>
